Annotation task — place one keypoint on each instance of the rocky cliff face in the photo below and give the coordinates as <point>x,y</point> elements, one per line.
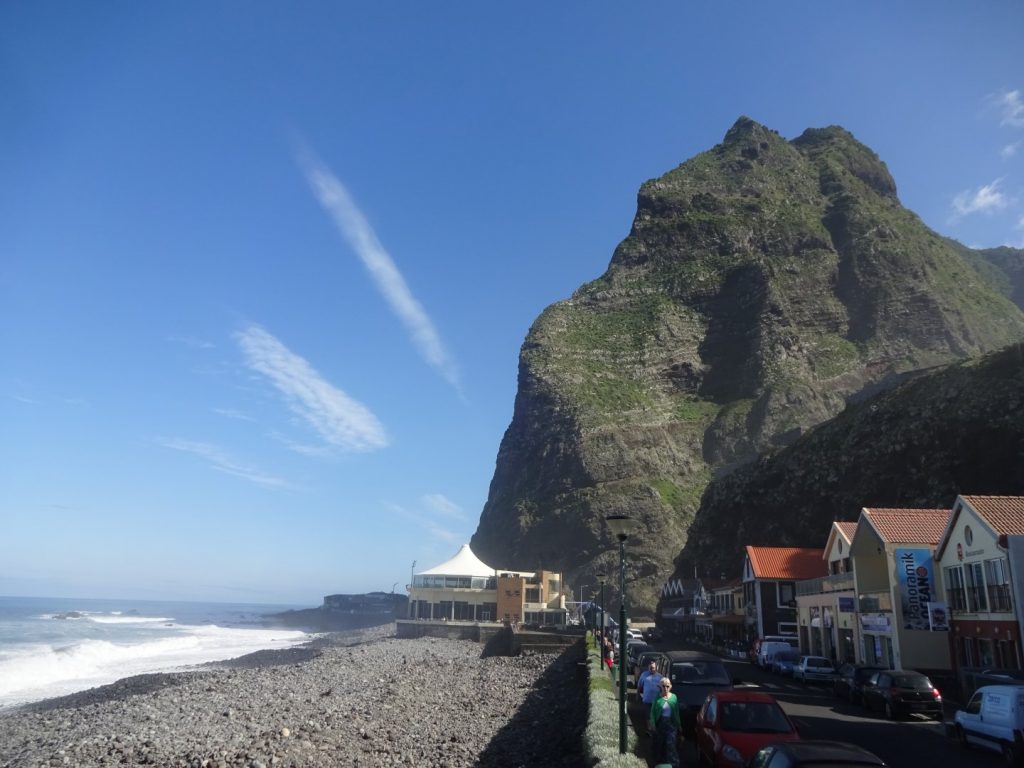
<point>764,286</point>
<point>956,431</point>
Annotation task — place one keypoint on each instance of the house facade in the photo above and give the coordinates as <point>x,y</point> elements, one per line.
<point>897,589</point>
<point>770,575</point>
<point>725,611</point>
<point>683,601</point>
<point>464,588</point>
<point>975,560</point>
<point>827,605</point>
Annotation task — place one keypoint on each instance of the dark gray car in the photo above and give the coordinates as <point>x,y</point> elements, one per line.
<point>694,675</point>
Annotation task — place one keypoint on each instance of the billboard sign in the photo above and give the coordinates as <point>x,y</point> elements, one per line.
<point>917,586</point>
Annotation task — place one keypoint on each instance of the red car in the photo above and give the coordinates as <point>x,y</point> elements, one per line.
<point>733,725</point>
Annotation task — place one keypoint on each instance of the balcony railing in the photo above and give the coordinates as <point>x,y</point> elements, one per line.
<point>837,582</point>
<point>875,602</point>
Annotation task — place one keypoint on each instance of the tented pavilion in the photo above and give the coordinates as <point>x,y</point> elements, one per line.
<point>464,588</point>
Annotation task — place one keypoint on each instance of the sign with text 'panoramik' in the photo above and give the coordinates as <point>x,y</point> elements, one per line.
<point>917,586</point>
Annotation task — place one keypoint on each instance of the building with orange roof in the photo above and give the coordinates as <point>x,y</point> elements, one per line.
<point>827,605</point>
<point>979,554</point>
<point>900,600</point>
<point>770,575</point>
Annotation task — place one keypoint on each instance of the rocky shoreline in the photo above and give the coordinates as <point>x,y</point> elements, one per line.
<point>360,698</point>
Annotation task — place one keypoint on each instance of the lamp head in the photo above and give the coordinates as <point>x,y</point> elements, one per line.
<point>622,526</point>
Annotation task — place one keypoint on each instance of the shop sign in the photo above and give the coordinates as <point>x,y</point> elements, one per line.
<point>875,622</point>
<point>938,617</point>
<point>847,605</point>
<point>914,573</point>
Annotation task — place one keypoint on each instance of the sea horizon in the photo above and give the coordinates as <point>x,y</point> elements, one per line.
<point>54,646</point>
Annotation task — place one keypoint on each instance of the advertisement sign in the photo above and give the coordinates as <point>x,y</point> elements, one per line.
<point>875,622</point>
<point>938,617</point>
<point>914,571</point>
<point>847,605</point>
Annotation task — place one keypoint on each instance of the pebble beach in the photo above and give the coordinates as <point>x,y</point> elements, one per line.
<point>360,698</point>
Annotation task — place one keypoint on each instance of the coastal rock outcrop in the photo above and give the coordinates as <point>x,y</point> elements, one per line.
<point>765,286</point>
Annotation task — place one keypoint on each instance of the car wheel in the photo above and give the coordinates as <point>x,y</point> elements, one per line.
<point>961,736</point>
<point>890,713</point>
<point>1010,754</point>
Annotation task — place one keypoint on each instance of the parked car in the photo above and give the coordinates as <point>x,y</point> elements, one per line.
<point>835,754</point>
<point>767,651</point>
<point>814,668</point>
<point>652,634</point>
<point>901,692</point>
<point>634,648</point>
<point>850,679</point>
<point>733,725</point>
<point>633,634</point>
<point>694,676</point>
<point>784,662</point>
<point>994,719</point>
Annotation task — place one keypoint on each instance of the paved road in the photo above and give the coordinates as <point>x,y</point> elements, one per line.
<point>819,715</point>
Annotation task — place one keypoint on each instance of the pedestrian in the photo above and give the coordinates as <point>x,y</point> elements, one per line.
<point>664,724</point>
<point>609,653</point>
<point>648,686</point>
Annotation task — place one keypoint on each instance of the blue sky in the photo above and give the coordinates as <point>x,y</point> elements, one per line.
<point>265,268</point>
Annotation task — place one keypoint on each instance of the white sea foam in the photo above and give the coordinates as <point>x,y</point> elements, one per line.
<point>130,619</point>
<point>31,672</point>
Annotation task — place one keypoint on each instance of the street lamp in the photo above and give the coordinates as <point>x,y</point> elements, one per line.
<point>601,578</point>
<point>622,526</point>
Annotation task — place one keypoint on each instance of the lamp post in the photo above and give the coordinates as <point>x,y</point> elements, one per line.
<point>622,526</point>
<point>601,579</point>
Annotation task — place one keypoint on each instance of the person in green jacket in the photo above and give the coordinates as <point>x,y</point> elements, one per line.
<point>665,725</point>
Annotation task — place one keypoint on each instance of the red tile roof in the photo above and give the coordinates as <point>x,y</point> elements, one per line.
<point>1004,513</point>
<point>848,529</point>
<point>786,562</point>
<point>909,526</point>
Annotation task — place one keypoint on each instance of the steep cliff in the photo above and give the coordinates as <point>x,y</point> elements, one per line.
<point>765,284</point>
<point>959,430</point>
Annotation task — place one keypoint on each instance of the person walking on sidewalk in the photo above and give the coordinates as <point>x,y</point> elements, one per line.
<point>648,686</point>
<point>664,724</point>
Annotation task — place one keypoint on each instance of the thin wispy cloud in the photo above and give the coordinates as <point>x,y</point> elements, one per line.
<point>339,419</point>
<point>220,460</point>
<point>336,200</point>
<point>22,399</point>
<point>190,341</point>
<point>443,506</point>
<point>1010,150</point>
<point>986,199</point>
<point>310,451</point>
<point>231,413</point>
<point>1011,105</point>
<point>432,527</point>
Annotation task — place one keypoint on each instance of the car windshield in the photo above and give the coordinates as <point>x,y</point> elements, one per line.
<point>911,681</point>
<point>818,661</point>
<point>700,673</point>
<point>787,656</point>
<point>754,717</point>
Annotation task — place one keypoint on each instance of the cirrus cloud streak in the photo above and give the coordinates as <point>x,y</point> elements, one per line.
<point>339,419</point>
<point>336,200</point>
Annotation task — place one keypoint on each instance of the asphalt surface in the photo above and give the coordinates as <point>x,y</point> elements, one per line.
<point>914,741</point>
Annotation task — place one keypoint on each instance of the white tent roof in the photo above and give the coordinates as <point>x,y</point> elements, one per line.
<point>464,563</point>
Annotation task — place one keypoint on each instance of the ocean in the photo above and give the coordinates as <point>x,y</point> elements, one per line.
<point>55,646</point>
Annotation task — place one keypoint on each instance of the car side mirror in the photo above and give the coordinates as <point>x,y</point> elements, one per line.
<point>736,681</point>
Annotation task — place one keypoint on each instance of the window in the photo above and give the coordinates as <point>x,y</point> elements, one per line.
<point>532,595</point>
<point>974,705</point>
<point>955,593</point>
<point>553,586</point>
<point>976,598</point>
<point>998,578</point>
<point>787,593</point>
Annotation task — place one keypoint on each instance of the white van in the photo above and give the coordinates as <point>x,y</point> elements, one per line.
<point>767,650</point>
<point>994,719</point>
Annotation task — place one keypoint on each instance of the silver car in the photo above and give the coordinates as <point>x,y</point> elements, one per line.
<point>814,668</point>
